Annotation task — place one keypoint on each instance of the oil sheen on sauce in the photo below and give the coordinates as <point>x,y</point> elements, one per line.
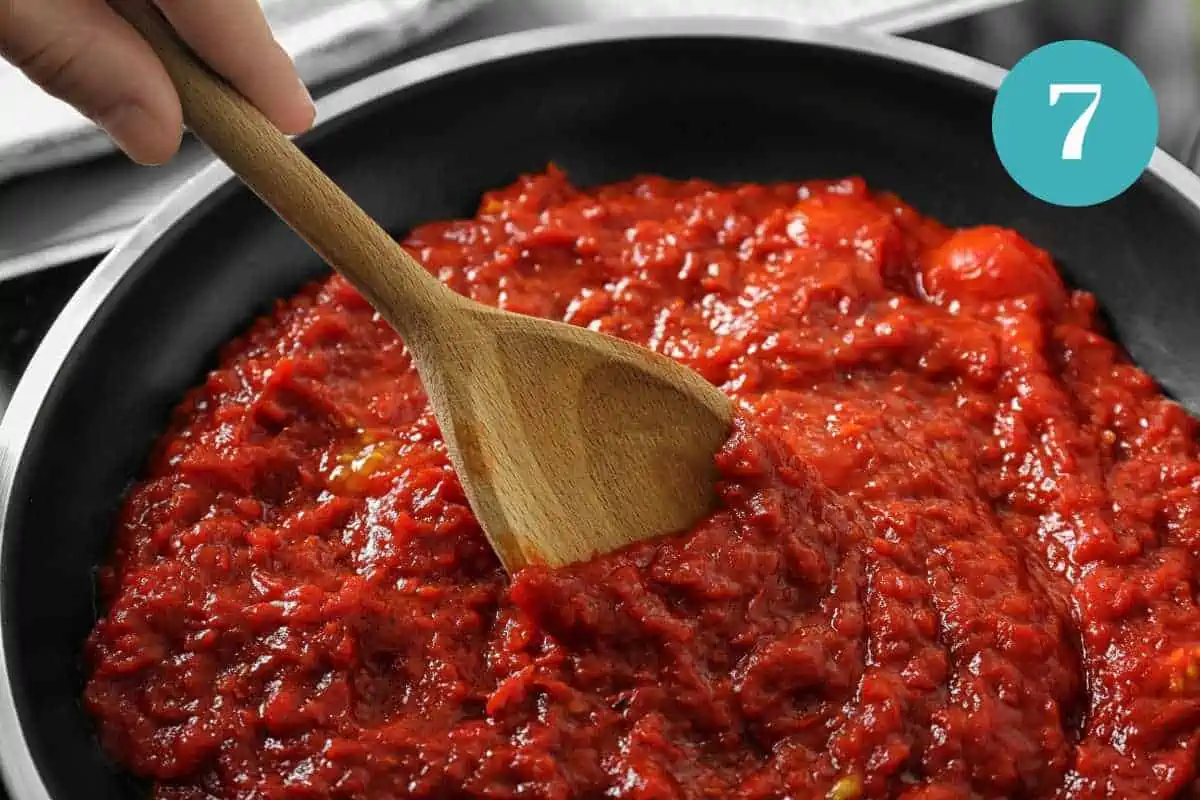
<point>955,554</point>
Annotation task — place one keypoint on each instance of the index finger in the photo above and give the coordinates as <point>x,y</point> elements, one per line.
<point>233,37</point>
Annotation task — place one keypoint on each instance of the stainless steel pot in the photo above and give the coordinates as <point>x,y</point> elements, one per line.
<point>718,99</point>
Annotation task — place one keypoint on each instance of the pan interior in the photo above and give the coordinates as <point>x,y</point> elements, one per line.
<point>718,108</point>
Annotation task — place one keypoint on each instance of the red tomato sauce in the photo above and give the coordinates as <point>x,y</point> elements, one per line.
<point>955,553</point>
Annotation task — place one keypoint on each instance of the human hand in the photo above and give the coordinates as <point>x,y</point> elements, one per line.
<point>82,52</point>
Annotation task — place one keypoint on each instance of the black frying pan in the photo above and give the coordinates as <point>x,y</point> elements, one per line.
<point>717,99</point>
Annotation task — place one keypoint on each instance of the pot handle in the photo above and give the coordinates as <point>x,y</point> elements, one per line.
<point>1191,156</point>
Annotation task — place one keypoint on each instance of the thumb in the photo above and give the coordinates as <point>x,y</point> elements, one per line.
<point>80,51</point>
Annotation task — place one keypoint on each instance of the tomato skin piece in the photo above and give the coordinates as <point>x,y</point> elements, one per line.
<point>989,264</point>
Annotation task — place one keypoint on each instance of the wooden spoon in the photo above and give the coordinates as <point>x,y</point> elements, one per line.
<point>568,443</point>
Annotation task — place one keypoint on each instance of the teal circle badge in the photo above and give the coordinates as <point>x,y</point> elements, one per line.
<point>1075,123</point>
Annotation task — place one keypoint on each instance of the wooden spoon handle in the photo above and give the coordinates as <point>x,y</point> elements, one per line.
<point>299,192</point>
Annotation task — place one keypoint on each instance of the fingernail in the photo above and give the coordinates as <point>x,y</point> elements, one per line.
<point>308,96</point>
<point>139,135</point>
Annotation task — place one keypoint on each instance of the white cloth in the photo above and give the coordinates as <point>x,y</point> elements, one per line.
<point>325,37</point>
<point>330,37</point>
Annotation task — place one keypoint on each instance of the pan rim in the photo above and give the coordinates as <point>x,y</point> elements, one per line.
<point>18,769</point>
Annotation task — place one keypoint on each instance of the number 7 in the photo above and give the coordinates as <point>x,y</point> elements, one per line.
<point>1072,149</point>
